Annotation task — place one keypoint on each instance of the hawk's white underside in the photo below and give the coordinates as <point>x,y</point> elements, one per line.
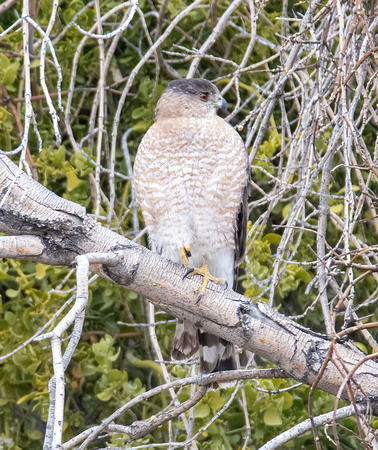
<point>188,177</point>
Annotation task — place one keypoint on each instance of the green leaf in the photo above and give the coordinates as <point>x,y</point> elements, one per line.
<point>35,435</point>
<point>251,395</point>
<point>337,209</point>
<point>202,410</point>
<point>3,276</point>
<point>25,398</point>
<point>33,367</point>
<point>10,317</point>
<point>72,180</point>
<point>303,275</point>
<point>40,271</point>
<point>60,157</point>
<point>105,395</point>
<point>9,74</point>
<point>285,210</point>
<point>272,238</point>
<point>288,400</point>
<point>4,62</point>
<point>87,369</point>
<point>216,443</point>
<point>272,418</point>
<point>138,113</point>
<point>137,385</point>
<point>35,63</point>
<point>116,375</point>
<point>11,293</point>
<point>115,355</point>
<point>216,401</point>
<point>143,125</point>
<point>234,439</point>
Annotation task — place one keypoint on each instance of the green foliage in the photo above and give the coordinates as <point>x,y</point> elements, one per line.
<point>148,95</point>
<point>259,263</point>
<point>113,362</point>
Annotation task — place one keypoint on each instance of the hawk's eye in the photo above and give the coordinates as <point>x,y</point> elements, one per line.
<point>204,96</point>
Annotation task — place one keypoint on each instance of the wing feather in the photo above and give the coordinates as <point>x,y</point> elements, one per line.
<point>241,228</point>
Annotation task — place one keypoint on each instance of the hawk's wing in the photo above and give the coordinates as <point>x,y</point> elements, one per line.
<point>241,228</point>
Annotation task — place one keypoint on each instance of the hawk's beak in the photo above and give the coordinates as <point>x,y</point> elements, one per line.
<point>221,103</point>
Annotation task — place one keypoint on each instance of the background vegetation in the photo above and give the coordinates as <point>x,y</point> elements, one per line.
<point>293,74</point>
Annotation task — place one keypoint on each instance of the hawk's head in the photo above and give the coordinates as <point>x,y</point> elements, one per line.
<point>193,97</point>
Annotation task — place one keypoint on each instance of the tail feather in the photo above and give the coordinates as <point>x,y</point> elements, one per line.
<point>185,343</point>
<point>228,359</point>
<point>209,351</point>
<point>215,354</point>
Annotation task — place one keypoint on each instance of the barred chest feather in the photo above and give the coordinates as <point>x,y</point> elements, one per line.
<point>188,176</point>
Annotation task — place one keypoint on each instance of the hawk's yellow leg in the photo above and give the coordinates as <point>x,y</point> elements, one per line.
<point>185,253</point>
<point>204,271</point>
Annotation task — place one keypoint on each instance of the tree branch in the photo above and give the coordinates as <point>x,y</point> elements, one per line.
<point>6,5</point>
<point>28,208</point>
<point>305,426</point>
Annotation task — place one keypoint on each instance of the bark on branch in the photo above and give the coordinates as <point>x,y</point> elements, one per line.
<point>60,230</point>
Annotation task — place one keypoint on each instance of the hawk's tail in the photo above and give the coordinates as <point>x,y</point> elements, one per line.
<point>185,343</point>
<point>216,354</point>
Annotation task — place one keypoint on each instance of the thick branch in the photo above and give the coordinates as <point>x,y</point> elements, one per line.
<point>27,208</point>
<point>6,5</point>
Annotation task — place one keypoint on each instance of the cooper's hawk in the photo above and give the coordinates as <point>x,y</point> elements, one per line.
<point>190,179</point>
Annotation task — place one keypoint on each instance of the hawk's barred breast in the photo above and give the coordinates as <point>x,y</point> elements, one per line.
<point>189,174</point>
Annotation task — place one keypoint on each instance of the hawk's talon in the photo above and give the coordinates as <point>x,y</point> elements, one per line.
<point>199,298</point>
<point>185,253</point>
<point>188,273</point>
<point>225,285</point>
<point>204,271</point>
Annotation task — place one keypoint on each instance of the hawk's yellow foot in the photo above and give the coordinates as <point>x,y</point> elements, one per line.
<point>204,271</point>
<point>185,253</point>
